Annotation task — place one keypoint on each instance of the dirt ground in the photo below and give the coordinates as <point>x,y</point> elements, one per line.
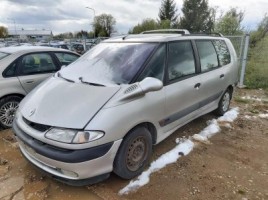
<point>233,166</point>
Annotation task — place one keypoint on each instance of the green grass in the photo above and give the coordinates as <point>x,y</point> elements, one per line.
<point>257,67</point>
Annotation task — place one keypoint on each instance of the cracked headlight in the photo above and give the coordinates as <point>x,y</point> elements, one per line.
<point>73,136</point>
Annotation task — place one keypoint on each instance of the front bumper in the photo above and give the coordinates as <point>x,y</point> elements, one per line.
<point>67,165</point>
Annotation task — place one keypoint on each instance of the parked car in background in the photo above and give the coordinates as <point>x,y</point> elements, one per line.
<point>21,69</point>
<point>78,48</point>
<point>123,96</point>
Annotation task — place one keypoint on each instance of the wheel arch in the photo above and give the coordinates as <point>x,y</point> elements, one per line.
<point>13,94</point>
<point>151,128</point>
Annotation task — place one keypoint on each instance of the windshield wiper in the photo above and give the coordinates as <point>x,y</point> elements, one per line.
<point>59,75</point>
<point>85,82</point>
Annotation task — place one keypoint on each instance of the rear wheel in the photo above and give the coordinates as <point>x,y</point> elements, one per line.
<point>224,103</point>
<point>8,108</point>
<point>134,153</point>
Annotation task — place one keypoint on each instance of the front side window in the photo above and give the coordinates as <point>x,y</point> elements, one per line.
<point>109,63</point>
<point>66,58</point>
<point>222,51</point>
<point>10,70</point>
<point>180,60</point>
<point>37,63</point>
<point>207,55</point>
<point>155,67</point>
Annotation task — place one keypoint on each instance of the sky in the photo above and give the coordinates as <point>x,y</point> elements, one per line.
<point>72,15</point>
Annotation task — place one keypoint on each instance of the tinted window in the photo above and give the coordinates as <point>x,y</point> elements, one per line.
<point>37,63</point>
<point>155,67</point>
<point>207,54</point>
<point>66,58</point>
<point>180,60</point>
<point>222,51</point>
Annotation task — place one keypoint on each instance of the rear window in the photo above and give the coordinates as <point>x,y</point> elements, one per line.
<point>3,55</point>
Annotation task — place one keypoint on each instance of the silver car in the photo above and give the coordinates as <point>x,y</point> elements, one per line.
<point>23,68</point>
<point>104,112</point>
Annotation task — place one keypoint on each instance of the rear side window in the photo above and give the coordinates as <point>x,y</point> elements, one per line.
<point>180,60</point>
<point>37,63</point>
<point>222,51</point>
<point>66,58</point>
<point>207,54</point>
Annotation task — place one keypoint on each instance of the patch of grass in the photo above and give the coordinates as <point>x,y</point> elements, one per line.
<point>257,67</point>
<point>241,100</point>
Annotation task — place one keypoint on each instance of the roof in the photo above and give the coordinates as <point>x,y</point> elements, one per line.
<point>158,37</point>
<point>29,32</point>
<point>17,49</point>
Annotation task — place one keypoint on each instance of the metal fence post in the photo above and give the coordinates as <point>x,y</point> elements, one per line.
<point>244,62</point>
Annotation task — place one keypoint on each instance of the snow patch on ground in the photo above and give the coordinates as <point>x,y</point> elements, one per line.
<point>183,148</point>
<point>251,98</point>
<point>264,116</point>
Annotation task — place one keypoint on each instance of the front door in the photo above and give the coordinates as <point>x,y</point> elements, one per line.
<point>35,68</point>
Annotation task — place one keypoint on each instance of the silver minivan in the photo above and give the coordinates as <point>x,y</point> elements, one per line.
<point>104,112</point>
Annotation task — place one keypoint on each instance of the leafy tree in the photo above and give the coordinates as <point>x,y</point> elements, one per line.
<point>261,31</point>
<point>230,22</point>
<point>81,34</point>
<point>146,25</point>
<point>197,16</point>
<point>168,12</point>
<point>3,32</point>
<point>62,36</point>
<point>104,25</point>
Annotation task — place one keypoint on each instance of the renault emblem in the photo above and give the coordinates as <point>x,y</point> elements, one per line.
<point>32,112</point>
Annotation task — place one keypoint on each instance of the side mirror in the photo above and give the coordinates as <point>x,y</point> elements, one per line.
<point>150,84</point>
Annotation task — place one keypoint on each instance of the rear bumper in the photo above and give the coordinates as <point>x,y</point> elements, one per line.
<point>75,167</point>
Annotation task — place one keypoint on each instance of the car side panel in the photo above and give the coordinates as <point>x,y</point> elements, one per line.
<point>10,86</point>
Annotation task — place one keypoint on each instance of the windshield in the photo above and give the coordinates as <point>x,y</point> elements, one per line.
<point>109,63</point>
<point>3,55</point>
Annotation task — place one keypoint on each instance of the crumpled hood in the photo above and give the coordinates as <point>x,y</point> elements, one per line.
<point>60,103</point>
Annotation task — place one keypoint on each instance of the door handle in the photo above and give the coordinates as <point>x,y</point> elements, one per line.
<point>222,76</point>
<point>29,81</point>
<point>197,86</point>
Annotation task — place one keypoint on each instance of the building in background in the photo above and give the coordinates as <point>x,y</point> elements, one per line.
<point>31,35</point>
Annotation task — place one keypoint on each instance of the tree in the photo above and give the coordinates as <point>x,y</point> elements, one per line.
<point>104,25</point>
<point>230,22</point>
<point>197,16</point>
<point>62,36</point>
<point>146,25</point>
<point>168,11</point>
<point>261,31</point>
<point>3,32</point>
<point>81,34</point>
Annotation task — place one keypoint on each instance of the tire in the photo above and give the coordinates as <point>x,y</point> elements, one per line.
<point>134,153</point>
<point>8,107</point>
<point>224,103</point>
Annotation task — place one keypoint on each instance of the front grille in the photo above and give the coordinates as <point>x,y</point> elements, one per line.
<point>36,126</point>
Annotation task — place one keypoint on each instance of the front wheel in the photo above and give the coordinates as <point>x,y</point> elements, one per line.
<point>8,108</point>
<point>134,153</point>
<point>224,103</point>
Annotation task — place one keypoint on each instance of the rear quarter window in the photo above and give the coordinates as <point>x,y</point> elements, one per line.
<point>222,52</point>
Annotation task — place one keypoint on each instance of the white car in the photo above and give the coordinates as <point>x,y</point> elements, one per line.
<point>21,69</point>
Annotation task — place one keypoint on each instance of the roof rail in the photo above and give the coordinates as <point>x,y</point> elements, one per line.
<point>169,31</point>
<point>206,34</point>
